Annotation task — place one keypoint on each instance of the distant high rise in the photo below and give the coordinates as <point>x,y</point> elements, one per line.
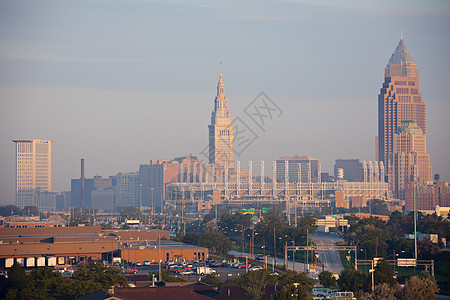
<point>409,158</point>
<point>309,169</point>
<point>90,184</point>
<point>128,190</point>
<point>33,170</point>
<point>399,99</point>
<point>153,179</point>
<point>352,169</point>
<point>221,130</point>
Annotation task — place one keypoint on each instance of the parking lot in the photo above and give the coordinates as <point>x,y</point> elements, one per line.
<point>222,272</point>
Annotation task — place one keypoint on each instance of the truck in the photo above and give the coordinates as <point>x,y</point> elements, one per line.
<point>51,261</point>
<point>30,262</point>
<point>21,261</point>
<point>9,262</point>
<point>117,260</point>
<point>205,270</point>
<point>40,261</point>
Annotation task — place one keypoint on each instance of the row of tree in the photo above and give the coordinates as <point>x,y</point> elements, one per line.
<point>255,282</point>
<point>43,283</point>
<point>385,284</point>
<point>12,210</point>
<point>377,238</point>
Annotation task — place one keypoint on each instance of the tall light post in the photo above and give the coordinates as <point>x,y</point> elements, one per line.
<point>293,256</point>
<point>264,253</point>
<point>274,245</point>
<point>159,256</point>
<point>153,207</point>
<point>415,209</point>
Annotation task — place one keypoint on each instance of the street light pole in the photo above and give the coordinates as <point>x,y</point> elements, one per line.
<point>274,244</point>
<point>293,256</point>
<point>415,210</point>
<point>153,207</point>
<point>159,256</point>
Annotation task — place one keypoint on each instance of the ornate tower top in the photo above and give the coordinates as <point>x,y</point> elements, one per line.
<point>220,113</point>
<point>401,63</point>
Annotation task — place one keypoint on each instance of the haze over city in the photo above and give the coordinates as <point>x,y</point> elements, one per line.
<point>120,83</point>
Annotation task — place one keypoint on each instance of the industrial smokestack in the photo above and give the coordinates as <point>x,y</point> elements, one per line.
<point>82,182</point>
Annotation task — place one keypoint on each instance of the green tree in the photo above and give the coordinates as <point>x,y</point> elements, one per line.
<point>427,249</point>
<point>289,292</point>
<point>30,211</point>
<point>352,280</point>
<point>99,273</point>
<point>10,210</point>
<point>369,235</point>
<point>216,242</point>
<point>130,212</point>
<point>419,288</point>
<point>212,280</point>
<point>166,275</point>
<point>384,274</point>
<point>17,278</point>
<point>290,277</point>
<point>308,222</point>
<point>254,282</point>
<point>383,292</point>
<point>327,279</point>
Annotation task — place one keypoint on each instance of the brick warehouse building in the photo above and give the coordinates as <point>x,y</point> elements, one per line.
<point>62,246</point>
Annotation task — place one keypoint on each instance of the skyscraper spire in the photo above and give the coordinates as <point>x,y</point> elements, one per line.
<point>221,130</point>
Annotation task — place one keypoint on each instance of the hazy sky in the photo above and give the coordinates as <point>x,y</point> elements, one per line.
<point>122,82</point>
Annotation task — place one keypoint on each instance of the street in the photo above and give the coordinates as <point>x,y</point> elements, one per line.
<point>331,259</point>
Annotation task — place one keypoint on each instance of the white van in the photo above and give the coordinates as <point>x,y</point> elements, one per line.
<point>205,270</point>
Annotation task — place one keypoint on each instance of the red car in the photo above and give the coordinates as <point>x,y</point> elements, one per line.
<point>130,271</point>
<point>181,269</point>
<point>243,265</point>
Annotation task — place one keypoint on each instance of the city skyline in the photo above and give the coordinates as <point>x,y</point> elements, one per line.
<point>119,101</point>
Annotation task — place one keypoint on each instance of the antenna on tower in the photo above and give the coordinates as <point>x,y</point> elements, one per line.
<point>220,68</point>
<point>401,34</point>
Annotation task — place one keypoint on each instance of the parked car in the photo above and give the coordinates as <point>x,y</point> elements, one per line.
<point>146,262</point>
<point>212,263</point>
<point>243,265</point>
<point>171,267</point>
<point>255,268</point>
<point>67,273</point>
<point>186,272</point>
<point>180,269</point>
<point>138,263</point>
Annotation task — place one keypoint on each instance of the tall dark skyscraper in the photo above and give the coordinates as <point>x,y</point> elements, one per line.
<point>399,100</point>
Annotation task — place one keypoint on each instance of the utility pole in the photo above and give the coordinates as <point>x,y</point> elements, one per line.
<point>293,256</point>
<point>285,255</point>
<point>153,207</point>
<point>273,265</point>
<point>159,256</point>
<point>274,244</point>
<point>415,220</point>
<point>307,250</point>
<point>373,279</point>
